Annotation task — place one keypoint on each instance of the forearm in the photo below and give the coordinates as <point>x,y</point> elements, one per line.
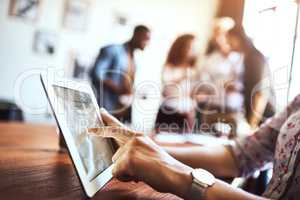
<point>258,108</point>
<point>218,160</point>
<point>223,191</point>
<point>218,191</point>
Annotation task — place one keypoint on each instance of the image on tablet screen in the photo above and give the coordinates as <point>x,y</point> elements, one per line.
<point>80,114</point>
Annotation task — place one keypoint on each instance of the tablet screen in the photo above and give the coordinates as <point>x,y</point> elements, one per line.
<point>80,114</point>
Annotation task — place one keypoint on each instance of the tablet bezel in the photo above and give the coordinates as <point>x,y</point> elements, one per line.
<point>90,187</point>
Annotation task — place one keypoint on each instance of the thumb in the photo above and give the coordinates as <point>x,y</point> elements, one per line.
<point>121,169</point>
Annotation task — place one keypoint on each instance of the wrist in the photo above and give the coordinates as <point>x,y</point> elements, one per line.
<point>183,182</point>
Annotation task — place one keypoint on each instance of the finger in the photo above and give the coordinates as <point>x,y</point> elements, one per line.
<point>120,152</point>
<point>108,119</point>
<point>138,134</point>
<point>105,131</point>
<point>110,132</point>
<point>119,133</point>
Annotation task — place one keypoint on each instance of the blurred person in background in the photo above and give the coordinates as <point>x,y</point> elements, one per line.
<point>178,72</point>
<point>257,86</point>
<point>222,71</point>
<point>223,65</point>
<point>238,72</point>
<point>113,72</point>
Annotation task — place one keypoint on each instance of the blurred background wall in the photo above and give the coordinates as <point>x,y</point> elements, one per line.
<point>107,22</point>
<point>270,24</point>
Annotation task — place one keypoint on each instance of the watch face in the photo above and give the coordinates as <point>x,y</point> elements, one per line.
<point>204,177</point>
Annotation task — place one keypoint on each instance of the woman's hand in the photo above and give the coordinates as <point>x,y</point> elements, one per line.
<point>140,159</point>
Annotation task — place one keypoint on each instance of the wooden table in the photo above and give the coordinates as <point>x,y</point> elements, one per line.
<point>32,167</point>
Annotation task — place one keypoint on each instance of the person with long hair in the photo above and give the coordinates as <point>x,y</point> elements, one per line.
<point>179,69</point>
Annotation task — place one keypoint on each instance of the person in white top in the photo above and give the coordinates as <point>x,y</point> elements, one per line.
<point>223,69</point>
<point>236,80</point>
<point>179,70</point>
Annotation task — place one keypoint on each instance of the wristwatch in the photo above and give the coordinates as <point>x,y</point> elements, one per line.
<point>202,180</point>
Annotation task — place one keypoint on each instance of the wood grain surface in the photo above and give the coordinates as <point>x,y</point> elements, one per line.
<point>32,167</point>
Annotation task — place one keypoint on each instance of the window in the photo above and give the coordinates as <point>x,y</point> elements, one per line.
<point>271,25</point>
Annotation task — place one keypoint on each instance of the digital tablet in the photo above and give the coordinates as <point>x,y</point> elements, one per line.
<point>75,109</point>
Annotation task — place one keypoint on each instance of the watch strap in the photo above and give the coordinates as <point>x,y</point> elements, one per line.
<point>196,192</point>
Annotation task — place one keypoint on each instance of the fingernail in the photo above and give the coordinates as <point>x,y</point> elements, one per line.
<point>103,110</point>
<point>113,159</point>
<point>113,171</point>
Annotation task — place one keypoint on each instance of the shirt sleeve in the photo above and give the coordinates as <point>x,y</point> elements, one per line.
<point>103,64</point>
<point>256,152</point>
